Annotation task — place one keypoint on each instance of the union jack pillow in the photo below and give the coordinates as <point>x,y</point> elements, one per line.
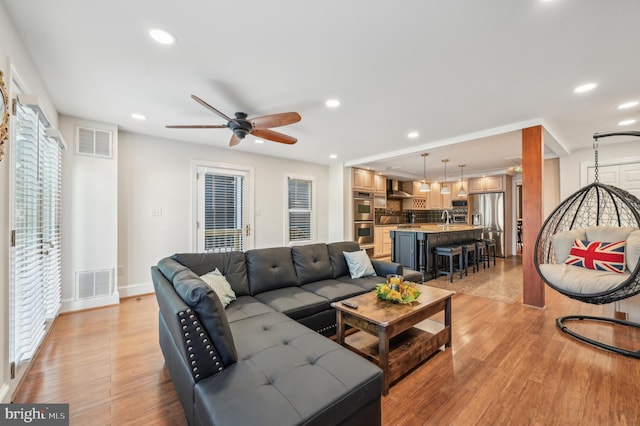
<point>598,255</point>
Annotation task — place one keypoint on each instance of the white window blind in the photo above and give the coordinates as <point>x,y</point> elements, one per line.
<point>300,209</point>
<point>223,212</point>
<point>35,255</point>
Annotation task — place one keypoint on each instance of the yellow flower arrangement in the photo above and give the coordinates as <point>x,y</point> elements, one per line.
<point>403,293</point>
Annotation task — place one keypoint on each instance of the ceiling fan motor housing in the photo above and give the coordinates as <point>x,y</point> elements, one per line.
<point>241,127</point>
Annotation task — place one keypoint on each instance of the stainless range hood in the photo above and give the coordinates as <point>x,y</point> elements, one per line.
<point>393,190</point>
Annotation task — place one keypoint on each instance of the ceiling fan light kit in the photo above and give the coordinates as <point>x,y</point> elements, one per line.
<point>241,125</point>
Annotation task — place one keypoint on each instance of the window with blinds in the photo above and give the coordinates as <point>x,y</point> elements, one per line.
<point>36,267</point>
<point>300,209</point>
<point>223,212</point>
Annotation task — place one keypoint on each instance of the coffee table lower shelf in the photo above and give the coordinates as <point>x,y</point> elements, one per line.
<point>406,350</point>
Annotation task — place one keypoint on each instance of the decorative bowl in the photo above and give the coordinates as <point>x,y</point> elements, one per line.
<point>404,292</point>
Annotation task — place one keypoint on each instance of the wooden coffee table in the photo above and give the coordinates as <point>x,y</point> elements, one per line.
<point>392,341</point>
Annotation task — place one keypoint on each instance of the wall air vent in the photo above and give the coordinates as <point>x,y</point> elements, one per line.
<point>93,142</point>
<point>96,283</point>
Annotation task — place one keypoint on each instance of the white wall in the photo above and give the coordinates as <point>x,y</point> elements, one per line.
<point>89,214</point>
<point>14,61</point>
<point>608,153</point>
<point>158,174</point>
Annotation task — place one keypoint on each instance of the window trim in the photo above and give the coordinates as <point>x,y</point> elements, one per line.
<point>314,213</point>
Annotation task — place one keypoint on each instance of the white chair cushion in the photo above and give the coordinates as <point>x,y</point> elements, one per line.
<point>581,280</point>
<point>633,249</point>
<point>607,233</point>
<point>563,241</point>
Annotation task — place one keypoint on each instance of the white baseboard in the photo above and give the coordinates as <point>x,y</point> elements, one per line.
<point>70,305</point>
<point>5,398</point>
<point>136,289</point>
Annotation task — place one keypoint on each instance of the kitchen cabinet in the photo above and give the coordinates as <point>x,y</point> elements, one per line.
<point>486,184</point>
<point>420,200</point>
<point>379,184</point>
<point>435,201</point>
<point>455,188</point>
<point>362,179</point>
<point>382,241</point>
<point>415,204</point>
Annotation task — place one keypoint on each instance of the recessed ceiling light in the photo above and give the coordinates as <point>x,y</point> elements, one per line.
<point>626,105</point>
<point>162,36</point>
<point>138,116</point>
<point>333,156</point>
<point>585,88</point>
<point>626,122</point>
<point>332,103</point>
<point>259,141</point>
<point>413,135</point>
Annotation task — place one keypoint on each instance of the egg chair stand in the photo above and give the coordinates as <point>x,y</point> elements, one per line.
<point>595,205</point>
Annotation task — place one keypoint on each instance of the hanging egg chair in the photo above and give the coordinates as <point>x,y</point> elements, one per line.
<point>598,218</point>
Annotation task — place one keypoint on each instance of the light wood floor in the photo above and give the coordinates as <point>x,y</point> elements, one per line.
<point>508,365</point>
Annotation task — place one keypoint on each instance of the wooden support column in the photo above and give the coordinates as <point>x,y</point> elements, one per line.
<point>532,213</point>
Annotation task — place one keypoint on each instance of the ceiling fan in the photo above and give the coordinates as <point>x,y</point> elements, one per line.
<point>241,126</point>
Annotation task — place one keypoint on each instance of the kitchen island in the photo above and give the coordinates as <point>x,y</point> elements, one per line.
<point>413,246</point>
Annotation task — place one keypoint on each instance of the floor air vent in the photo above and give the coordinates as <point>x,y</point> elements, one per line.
<point>94,283</point>
<point>94,142</point>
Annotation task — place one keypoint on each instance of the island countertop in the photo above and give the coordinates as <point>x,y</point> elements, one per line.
<point>436,229</point>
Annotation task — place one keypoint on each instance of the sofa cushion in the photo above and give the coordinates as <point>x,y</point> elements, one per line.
<point>220,285</point>
<point>338,262</point>
<point>231,264</point>
<point>202,299</point>
<point>311,262</point>
<point>359,264</point>
<point>269,269</point>
<point>333,290</point>
<point>366,283</point>
<point>294,302</point>
<point>287,374</point>
<point>246,307</point>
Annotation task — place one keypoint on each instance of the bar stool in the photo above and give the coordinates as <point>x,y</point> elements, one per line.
<point>489,243</point>
<point>481,255</point>
<point>469,248</point>
<point>449,252</point>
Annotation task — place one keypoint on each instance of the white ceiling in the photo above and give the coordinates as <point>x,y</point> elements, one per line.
<point>455,71</point>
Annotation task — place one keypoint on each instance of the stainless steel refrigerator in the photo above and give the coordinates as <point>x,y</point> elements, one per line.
<point>487,210</point>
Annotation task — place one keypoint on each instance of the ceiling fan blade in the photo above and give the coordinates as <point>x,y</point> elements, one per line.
<point>234,140</point>
<point>275,120</point>
<point>198,126</point>
<point>209,107</point>
<point>274,136</point>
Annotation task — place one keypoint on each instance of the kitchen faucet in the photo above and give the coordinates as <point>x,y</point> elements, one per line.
<point>446,216</point>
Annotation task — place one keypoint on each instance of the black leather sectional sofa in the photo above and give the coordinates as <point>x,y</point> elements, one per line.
<point>263,360</point>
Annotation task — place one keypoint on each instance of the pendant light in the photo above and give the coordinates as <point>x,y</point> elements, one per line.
<point>425,187</point>
<point>462,192</point>
<point>445,189</point>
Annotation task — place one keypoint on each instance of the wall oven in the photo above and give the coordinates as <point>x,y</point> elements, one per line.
<point>362,206</point>
<point>363,232</point>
